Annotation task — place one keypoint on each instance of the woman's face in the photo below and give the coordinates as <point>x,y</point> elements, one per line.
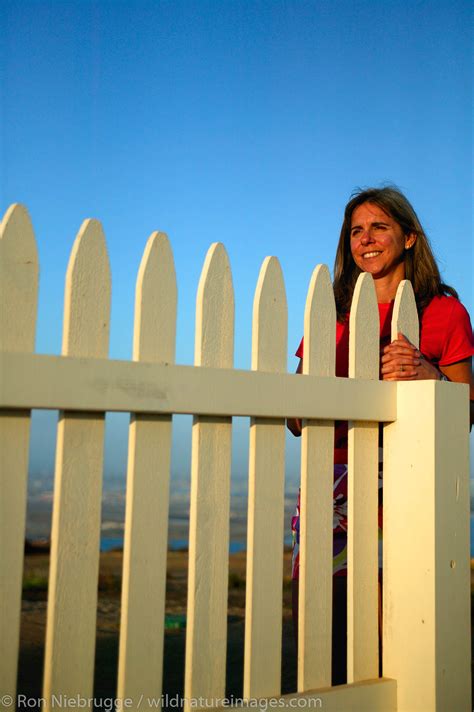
<point>378,243</point>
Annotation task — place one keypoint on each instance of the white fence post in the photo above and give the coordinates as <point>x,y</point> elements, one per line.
<point>263,607</point>
<point>206,630</point>
<point>405,316</point>
<point>146,517</point>
<point>75,534</point>
<point>362,536</point>
<point>18,301</point>
<point>426,642</point>
<point>316,511</point>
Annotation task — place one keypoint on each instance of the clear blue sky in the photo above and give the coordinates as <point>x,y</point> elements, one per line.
<point>246,122</point>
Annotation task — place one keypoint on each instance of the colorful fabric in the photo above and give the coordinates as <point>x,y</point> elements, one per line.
<point>339,525</point>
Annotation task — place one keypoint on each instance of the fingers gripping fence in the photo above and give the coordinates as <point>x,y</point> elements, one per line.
<point>426,548</point>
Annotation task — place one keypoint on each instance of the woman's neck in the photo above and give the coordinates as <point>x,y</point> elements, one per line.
<point>386,286</point>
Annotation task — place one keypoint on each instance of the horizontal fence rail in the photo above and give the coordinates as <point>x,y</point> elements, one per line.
<point>83,384</point>
<point>64,383</point>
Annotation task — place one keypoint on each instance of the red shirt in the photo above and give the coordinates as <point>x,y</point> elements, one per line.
<point>446,337</point>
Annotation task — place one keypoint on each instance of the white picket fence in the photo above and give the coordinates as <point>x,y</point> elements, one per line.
<point>426,586</point>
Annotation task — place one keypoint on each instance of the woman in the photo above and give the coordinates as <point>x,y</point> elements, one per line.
<point>381,235</point>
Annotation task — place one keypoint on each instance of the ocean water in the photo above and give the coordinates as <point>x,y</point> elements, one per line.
<point>40,501</point>
<point>40,498</point>
<point>235,546</point>
<point>110,543</point>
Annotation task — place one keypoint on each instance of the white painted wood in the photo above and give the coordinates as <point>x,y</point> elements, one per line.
<point>75,535</point>
<point>364,331</point>
<point>146,516</point>
<point>405,315</point>
<point>156,299</point>
<point>362,542</point>
<point>316,512</point>
<point>263,615</point>
<point>40,381</point>
<point>370,696</point>
<point>426,632</point>
<point>206,630</point>
<point>19,274</point>
<point>18,303</point>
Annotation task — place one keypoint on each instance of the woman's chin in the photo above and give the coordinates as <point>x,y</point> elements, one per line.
<point>374,270</point>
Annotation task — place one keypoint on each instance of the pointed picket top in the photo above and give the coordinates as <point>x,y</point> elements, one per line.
<point>214,344</point>
<point>320,325</point>
<point>19,274</point>
<point>405,314</point>
<point>156,297</point>
<point>270,319</point>
<point>87,295</point>
<point>364,328</point>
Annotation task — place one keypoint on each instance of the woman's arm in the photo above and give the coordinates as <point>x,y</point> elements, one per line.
<point>401,361</point>
<point>461,372</point>
<point>294,424</point>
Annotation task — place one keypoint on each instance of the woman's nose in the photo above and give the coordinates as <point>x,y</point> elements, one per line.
<point>366,237</point>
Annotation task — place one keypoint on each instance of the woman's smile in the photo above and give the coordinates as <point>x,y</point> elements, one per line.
<point>368,255</point>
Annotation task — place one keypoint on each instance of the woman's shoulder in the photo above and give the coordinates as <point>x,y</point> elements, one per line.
<point>446,332</point>
<point>445,307</point>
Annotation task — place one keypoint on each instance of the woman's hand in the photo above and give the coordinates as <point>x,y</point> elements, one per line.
<point>402,361</point>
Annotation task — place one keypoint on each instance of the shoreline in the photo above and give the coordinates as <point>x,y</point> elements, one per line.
<point>115,544</point>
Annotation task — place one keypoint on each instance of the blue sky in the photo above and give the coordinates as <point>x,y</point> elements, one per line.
<point>248,123</point>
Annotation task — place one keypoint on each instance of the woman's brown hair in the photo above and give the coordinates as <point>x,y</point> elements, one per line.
<point>420,265</point>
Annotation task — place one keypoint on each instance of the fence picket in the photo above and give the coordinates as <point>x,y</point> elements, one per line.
<point>206,631</point>
<point>146,517</point>
<point>317,447</point>
<point>18,303</point>
<point>75,535</point>
<point>362,545</point>
<point>263,616</point>
<point>405,315</point>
